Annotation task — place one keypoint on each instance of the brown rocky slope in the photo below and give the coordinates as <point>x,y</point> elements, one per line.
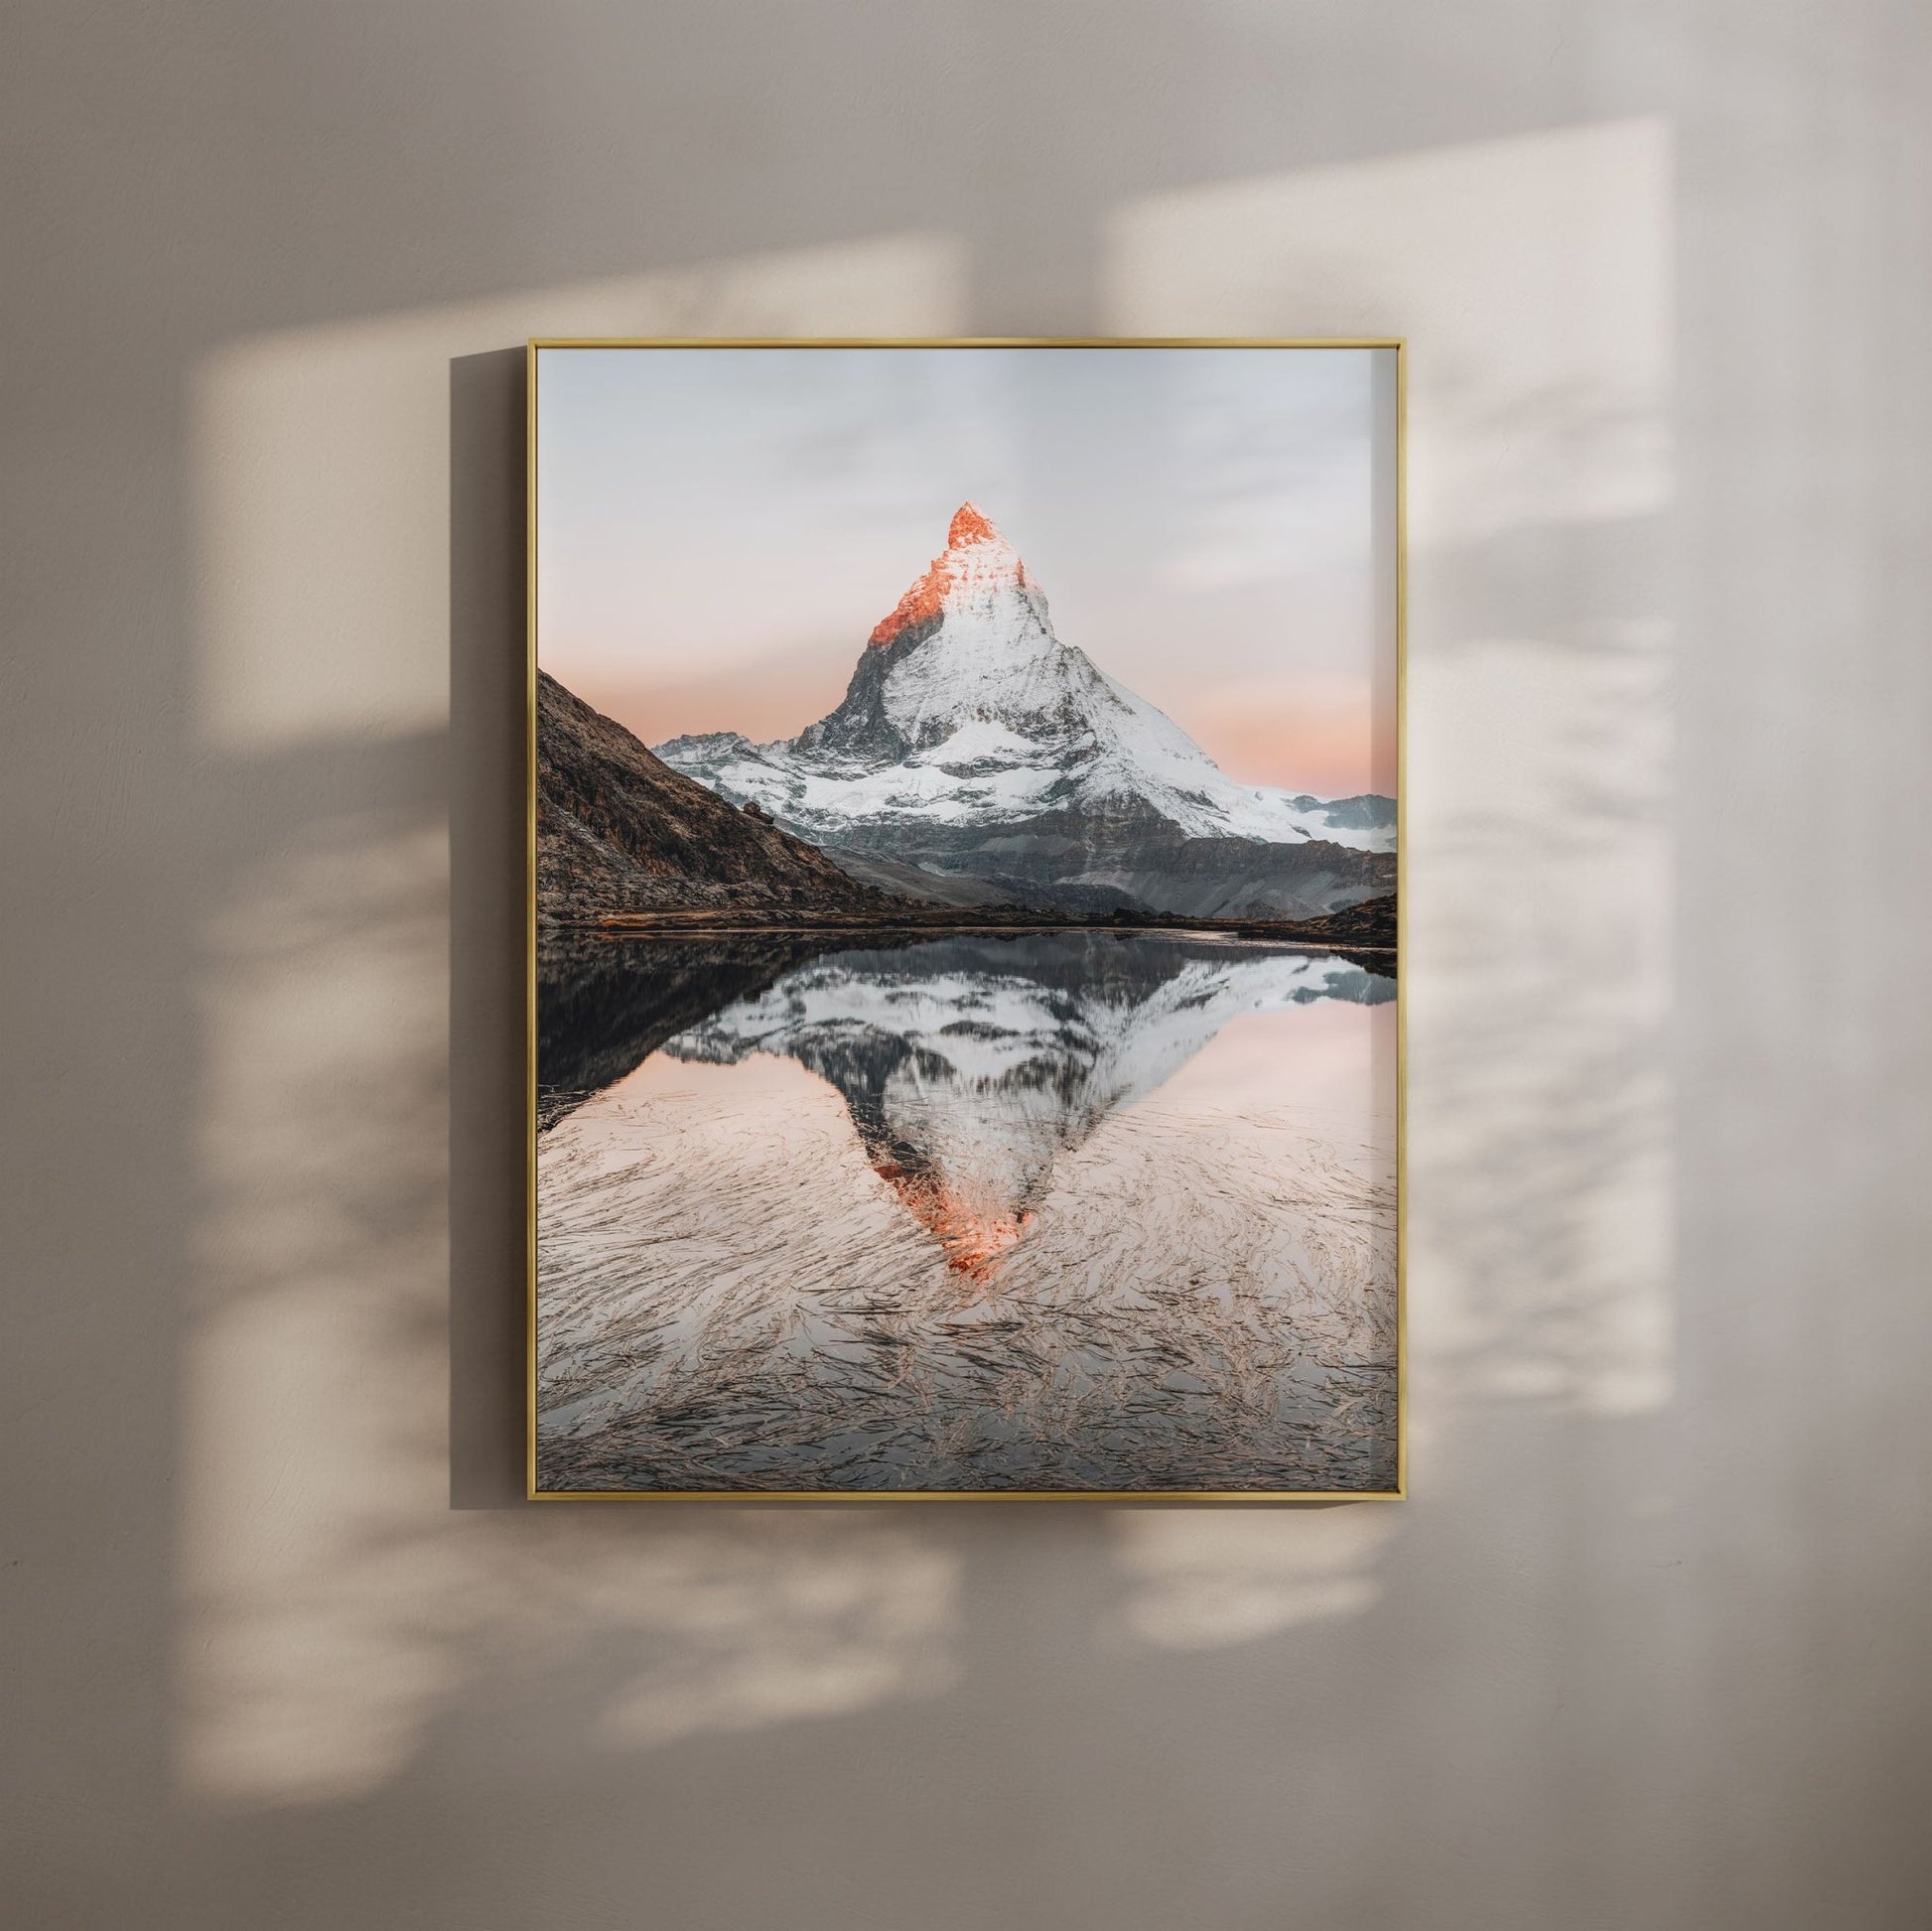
<point>619,831</point>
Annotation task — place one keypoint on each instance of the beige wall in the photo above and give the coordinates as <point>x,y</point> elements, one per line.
<point>1647,1648</point>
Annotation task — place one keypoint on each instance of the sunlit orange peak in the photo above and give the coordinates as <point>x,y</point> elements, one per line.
<point>970,524</point>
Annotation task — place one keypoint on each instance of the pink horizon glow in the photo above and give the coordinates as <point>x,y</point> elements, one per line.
<point>1319,737</point>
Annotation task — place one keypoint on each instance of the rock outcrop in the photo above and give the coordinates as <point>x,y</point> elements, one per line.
<point>619,831</point>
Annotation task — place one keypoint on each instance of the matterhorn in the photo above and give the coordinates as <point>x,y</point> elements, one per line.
<point>977,758</point>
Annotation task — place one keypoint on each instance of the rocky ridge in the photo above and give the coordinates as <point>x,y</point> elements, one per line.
<point>619,832</point>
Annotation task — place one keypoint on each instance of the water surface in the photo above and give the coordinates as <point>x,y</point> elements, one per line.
<point>1064,1210</point>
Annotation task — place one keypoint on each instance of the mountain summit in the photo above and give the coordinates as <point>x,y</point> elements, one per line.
<point>972,742</point>
<point>977,563</point>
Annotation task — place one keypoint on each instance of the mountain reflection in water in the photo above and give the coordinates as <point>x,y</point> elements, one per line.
<point>1205,1299</point>
<point>971,1064</point>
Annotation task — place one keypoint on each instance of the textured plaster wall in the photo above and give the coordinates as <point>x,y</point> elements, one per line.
<point>1647,1648</point>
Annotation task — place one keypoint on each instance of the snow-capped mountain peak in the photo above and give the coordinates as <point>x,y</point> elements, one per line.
<point>970,726</point>
<point>970,643</point>
<point>977,565</point>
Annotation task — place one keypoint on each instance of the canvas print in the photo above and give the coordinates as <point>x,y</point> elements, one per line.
<point>965,942</point>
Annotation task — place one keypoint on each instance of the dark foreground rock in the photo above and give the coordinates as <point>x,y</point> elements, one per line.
<point>1370,923</point>
<point>621,832</point>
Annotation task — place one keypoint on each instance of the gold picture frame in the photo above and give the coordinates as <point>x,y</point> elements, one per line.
<point>842,1496</point>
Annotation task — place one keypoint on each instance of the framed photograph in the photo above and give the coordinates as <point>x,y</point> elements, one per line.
<point>966,1027</point>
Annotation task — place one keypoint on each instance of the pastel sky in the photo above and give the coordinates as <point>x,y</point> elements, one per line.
<point>719,529</point>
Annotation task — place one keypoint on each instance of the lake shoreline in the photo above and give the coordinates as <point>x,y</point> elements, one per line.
<point>710,923</point>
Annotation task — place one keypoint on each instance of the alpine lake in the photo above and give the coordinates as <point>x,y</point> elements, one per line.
<point>1067,1210</point>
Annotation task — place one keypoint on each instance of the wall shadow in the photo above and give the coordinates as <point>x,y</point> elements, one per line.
<point>488,942</point>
